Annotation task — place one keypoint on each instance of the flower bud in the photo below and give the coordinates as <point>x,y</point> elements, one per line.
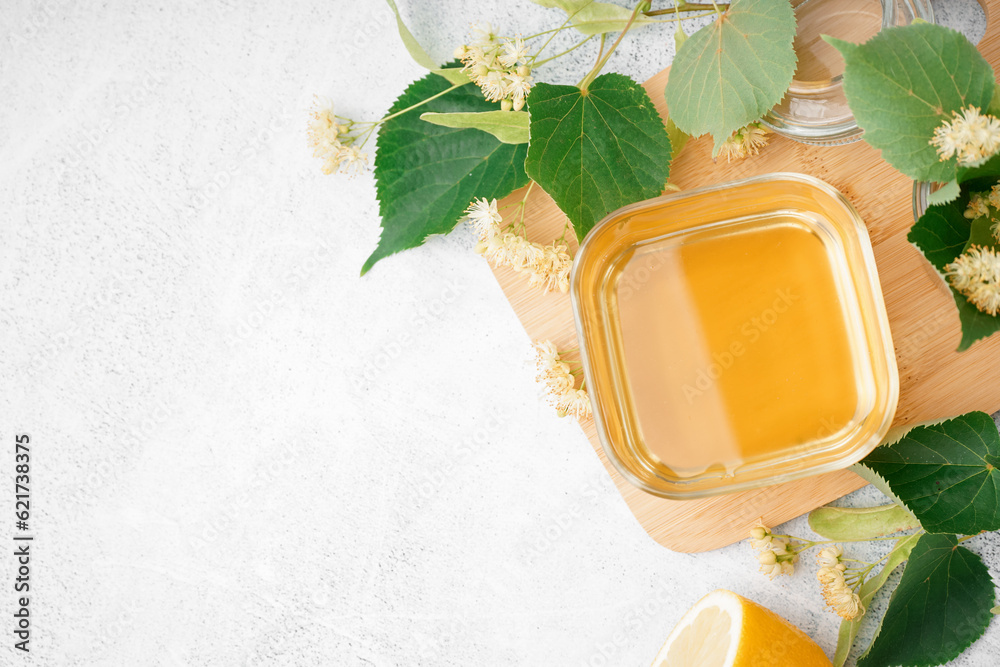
<point>480,71</point>
<point>523,70</point>
<point>758,533</point>
<point>767,558</point>
<point>506,105</point>
<point>518,104</point>
<point>461,51</point>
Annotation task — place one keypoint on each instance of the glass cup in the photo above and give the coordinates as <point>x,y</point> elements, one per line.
<point>815,110</point>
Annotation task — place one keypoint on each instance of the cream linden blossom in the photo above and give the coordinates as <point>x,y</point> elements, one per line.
<point>839,595</point>
<point>549,266</point>
<point>331,141</point>
<point>970,136</point>
<point>976,275</point>
<point>499,67</point>
<point>745,142</point>
<point>775,555</point>
<point>560,382</point>
<point>980,204</point>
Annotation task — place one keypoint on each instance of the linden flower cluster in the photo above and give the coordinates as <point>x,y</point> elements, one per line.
<point>560,382</point>
<point>745,141</point>
<point>970,136</point>
<point>499,67</point>
<point>331,141</point>
<point>979,207</point>
<point>976,275</point>
<point>776,556</point>
<point>839,595</point>
<point>549,266</point>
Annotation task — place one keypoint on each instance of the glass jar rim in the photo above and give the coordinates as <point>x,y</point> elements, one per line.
<point>845,130</point>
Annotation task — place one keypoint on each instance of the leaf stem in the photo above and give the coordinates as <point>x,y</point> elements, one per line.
<point>561,26</point>
<point>809,544</point>
<point>418,104</point>
<point>518,227</point>
<point>544,32</point>
<point>373,124</point>
<point>600,51</point>
<point>686,7</point>
<point>367,135</point>
<point>583,85</point>
<point>539,63</point>
<point>562,238</point>
<point>524,205</point>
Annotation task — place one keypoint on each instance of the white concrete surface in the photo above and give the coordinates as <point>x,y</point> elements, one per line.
<point>244,453</point>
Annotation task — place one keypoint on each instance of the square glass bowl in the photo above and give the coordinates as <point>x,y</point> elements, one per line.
<point>734,336</point>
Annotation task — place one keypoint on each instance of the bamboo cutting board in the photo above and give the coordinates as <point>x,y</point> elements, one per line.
<point>935,381</point>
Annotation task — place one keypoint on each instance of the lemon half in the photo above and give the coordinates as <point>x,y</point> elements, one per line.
<point>726,630</point>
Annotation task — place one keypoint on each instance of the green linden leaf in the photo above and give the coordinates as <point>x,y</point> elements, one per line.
<point>940,607</point>
<point>904,82</point>
<point>994,108</point>
<point>426,175</point>
<point>946,193</point>
<point>679,37</point>
<point>596,151</point>
<point>942,234</point>
<point>984,176</point>
<point>849,628</point>
<point>418,53</point>
<point>852,524</point>
<point>982,232</point>
<point>677,138</point>
<point>594,18</point>
<point>733,71</point>
<point>946,473</point>
<point>876,480</point>
<point>510,127</point>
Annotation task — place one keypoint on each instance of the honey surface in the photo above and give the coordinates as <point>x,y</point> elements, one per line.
<point>734,344</point>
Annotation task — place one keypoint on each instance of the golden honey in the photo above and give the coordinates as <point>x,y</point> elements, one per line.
<point>734,336</point>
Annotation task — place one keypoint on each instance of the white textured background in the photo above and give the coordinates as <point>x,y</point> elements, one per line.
<point>243,453</point>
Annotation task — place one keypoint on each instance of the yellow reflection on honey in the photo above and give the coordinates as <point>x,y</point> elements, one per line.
<point>735,344</point>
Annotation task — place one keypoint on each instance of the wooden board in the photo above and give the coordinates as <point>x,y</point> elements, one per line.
<point>935,381</point>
